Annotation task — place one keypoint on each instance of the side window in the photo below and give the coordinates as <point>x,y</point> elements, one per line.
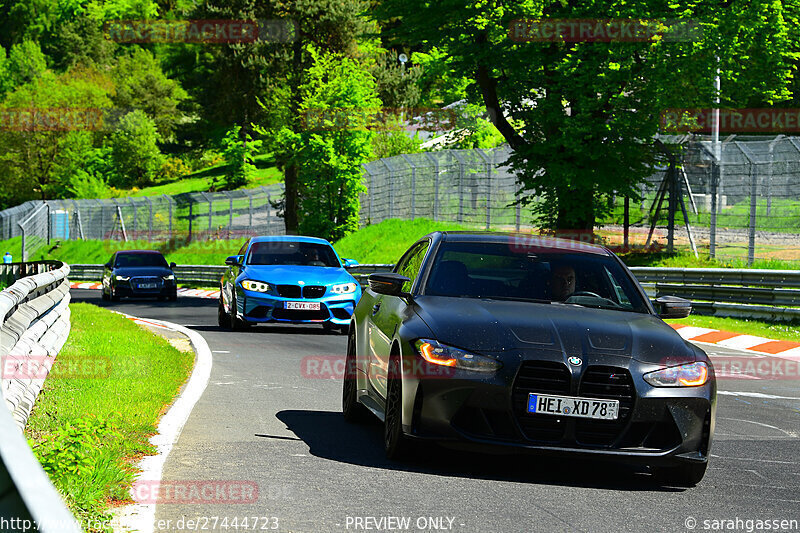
<point>111,261</point>
<point>410,264</point>
<point>243,249</point>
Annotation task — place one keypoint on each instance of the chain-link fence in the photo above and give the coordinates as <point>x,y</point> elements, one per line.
<point>755,190</point>
<point>755,195</point>
<point>183,217</point>
<point>467,186</point>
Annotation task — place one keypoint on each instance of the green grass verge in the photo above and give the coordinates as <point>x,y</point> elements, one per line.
<point>386,241</point>
<point>108,387</point>
<point>98,252</point>
<point>265,174</point>
<point>778,331</point>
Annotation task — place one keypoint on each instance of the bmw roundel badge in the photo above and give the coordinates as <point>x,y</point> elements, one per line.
<point>575,361</point>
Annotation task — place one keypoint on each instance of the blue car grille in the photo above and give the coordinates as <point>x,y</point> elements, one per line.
<point>296,291</point>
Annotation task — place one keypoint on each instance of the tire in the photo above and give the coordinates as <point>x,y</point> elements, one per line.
<point>114,297</point>
<point>104,296</point>
<point>353,411</point>
<point>684,475</point>
<point>237,324</point>
<point>396,444</point>
<point>223,318</point>
<point>173,297</point>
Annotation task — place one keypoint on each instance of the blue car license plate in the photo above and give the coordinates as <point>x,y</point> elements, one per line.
<point>548,404</point>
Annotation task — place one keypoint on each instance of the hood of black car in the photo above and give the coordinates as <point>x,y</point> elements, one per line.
<point>142,271</point>
<point>495,326</point>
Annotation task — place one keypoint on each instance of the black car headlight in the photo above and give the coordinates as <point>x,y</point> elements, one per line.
<point>690,375</point>
<point>442,354</point>
<point>255,286</point>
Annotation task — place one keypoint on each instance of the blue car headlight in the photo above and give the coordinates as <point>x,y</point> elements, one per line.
<point>255,286</point>
<point>344,288</point>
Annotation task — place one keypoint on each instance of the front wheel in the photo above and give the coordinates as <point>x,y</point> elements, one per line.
<point>352,410</point>
<point>685,475</point>
<point>223,319</point>
<point>237,324</point>
<point>396,444</point>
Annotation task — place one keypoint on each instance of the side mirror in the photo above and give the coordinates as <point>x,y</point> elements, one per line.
<point>388,283</point>
<point>233,260</point>
<point>673,307</point>
<point>108,265</point>
<point>349,263</point>
<point>172,266</point>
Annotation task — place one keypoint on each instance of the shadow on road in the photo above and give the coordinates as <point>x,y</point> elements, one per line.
<point>328,436</point>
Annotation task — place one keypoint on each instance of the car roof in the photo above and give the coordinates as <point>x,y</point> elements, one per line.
<point>130,252</point>
<point>522,241</point>
<point>289,238</point>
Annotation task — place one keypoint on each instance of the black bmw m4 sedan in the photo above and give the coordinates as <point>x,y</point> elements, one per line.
<point>479,341</point>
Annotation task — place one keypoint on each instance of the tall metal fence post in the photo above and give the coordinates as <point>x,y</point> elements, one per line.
<point>169,216</point>
<point>150,223</point>
<point>390,176</point>
<point>191,216</point>
<point>488,162</point>
<point>210,215</point>
<point>269,210</point>
<point>133,205</point>
<point>712,233</point>
<point>751,244</point>
<point>413,184</point>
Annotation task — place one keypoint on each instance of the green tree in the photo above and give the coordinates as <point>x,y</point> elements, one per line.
<point>141,84</point>
<point>35,150</point>
<point>24,63</point>
<point>239,150</point>
<point>581,116</point>
<point>134,151</point>
<point>329,159</point>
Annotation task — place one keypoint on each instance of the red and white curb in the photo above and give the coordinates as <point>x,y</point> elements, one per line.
<point>210,294</point>
<point>738,341</point>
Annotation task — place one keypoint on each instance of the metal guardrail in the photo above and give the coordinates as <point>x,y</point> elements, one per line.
<point>210,274</point>
<point>34,324</point>
<point>764,294</point>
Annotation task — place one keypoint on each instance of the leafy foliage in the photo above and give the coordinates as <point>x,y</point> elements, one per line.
<point>134,150</point>
<point>329,158</point>
<point>581,116</point>
<point>239,151</point>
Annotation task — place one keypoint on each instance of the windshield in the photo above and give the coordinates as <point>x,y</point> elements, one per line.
<point>292,253</point>
<point>496,271</point>
<point>140,260</point>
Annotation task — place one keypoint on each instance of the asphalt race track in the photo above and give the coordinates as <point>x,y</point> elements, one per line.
<point>260,420</point>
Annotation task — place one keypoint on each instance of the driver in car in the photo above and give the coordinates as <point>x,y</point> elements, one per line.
<point>562,282</point>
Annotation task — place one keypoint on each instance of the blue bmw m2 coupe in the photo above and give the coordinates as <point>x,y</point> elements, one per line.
<point>287,279</point>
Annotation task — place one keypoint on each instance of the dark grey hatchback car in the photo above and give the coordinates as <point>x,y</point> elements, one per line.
<point>538,345</point>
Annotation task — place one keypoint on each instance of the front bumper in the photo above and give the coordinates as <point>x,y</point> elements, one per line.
<point>487,412</point>
<point>126,289</point>
<point>258,307</point>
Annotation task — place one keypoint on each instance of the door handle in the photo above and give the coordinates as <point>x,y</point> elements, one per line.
<point>376,308</point>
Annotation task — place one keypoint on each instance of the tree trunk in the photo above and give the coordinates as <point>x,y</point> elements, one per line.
<point>575,213</point>
<point>290,219</point>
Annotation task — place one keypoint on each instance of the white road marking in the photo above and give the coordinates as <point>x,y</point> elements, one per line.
<point>220,351</point>
<point>789,433</point>
<point>692,331</point>
<point>141,517</point>
<point>755,460</point>
<point>742,342</point>
<point>757,395</point>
